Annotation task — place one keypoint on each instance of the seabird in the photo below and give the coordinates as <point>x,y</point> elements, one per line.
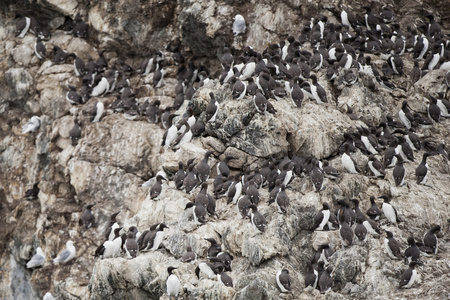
<point>32,126</point>
<point>97,112</point>
<point>227,59</point>
<point>101,88</point>
<point>171,133</point>
<point>203,169</point>
<point>22,26</point>
<point>317,91</point>
<point>416,72</point>
<point>156,187</point>
<point>422,170</point>
<point>110,248</point>
<point>131,246</point>
<point>88,218</point>
<point>80,28</point>
<point>260,102</point>
<point>190,181</point>
<point>373,212</point>
<point>48,296</point>
<point>212,109</point>
<point>179,176</point>
<point>235,189</point>
<point>198,211</point>
<point>223,277</point>
<point>376,166</point>
<point>444,105</point>
<point>399,173</point>
<point>153,239</point>
<point>312,276</point>
<point>325,280</point>
<point>283,281</point>
<point>39,49</point>
<point>409,276</point>
<point>348,162</point>
<point>73,97</point>
<point>32,193</point>
<point>389,211</point>
<point>239,89</point>
<point>413,252</point>
<point>430,239</point>
<point>257,219</point>
<point>360,229</point>
<point>405,115</point>
<point>173,284</point>
<point>75,132</point>
<point>158,75</point>
<point>206,268</point>
<point>66,255</point>
<point>238,25</point>
<point>37,260</point>
<point>109,232</point>
<point>345,231</point>
<point>214,248</point>
<point>282,200</point>
<point>323,218</point>
<point>60,56</point>
<point>317,176</point>
<point>392,246</point>
<point>189,255</point>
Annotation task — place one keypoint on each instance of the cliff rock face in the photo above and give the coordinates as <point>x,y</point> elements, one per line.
<point>117,155</point>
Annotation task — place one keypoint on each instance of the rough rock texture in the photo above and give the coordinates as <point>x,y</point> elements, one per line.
<point>115,156</point>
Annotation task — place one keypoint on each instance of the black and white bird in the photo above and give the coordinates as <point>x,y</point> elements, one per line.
<point>110,248</point>
<point>32,126</point>
<point>326,281</point>
<point>399,172</point>
<point>360,229</point>
<point>198,212</point>
<point>373,212</point>
<point>348,162</point>
<point>97,112</point>
<point>258,220</point>
<point>223,277</point>
<point>284,281</point>
<point>345,231</point>
<point>405,115</point>
<point>80,29</point>
<point>173,284</point>
<point>430,240</point>
<point>412,253</point>
<point>131,246</point>
<point>376,166</point>
<point>109,232</point>
<point>203,169</point>
<point>156,188</point>
<point>73,97</point>
<point>323,218</point>
<point>37,260</point>
<point>39,49</point>
<point>171,133</point>
<point>422,170</point>
<point>211,109</point>
<point>409,276</point>
<point>66,255</point>
<point>392,246</point>
<point>312,276</point>
<point>389,211</point>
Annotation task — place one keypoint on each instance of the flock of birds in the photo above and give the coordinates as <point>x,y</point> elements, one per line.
<point>284,70</point>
